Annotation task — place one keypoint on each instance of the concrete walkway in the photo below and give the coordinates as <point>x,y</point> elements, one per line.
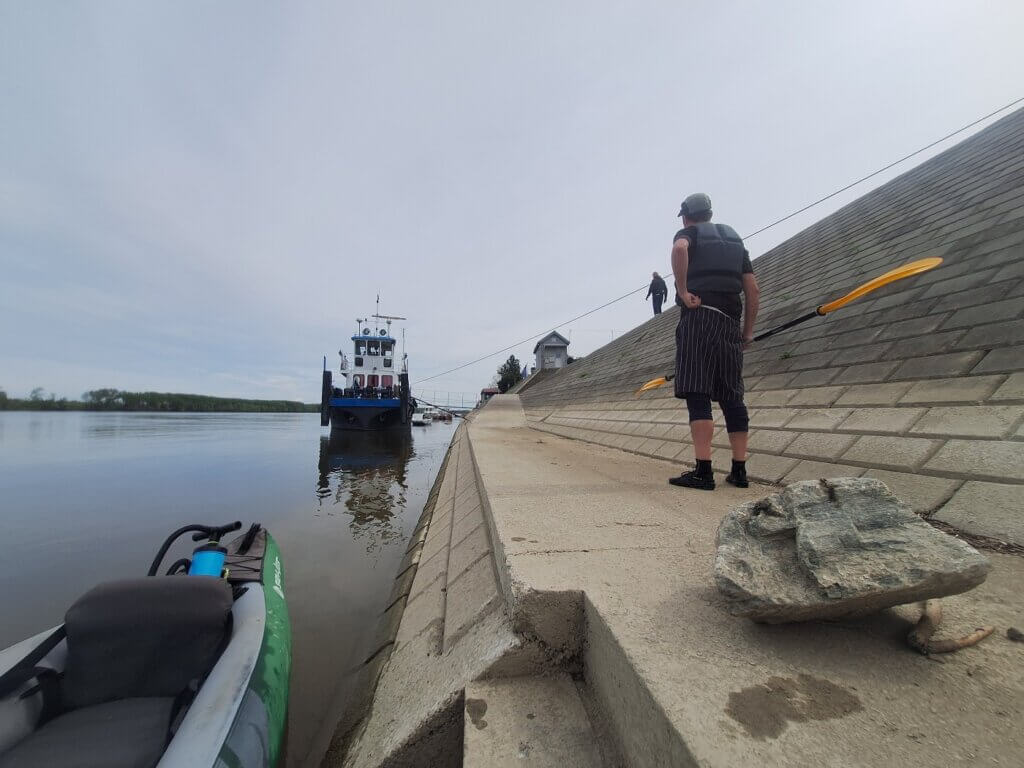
<point>596,555</point>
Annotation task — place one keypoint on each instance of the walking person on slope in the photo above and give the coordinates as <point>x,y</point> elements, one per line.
<point>659,292</point>
<point>712,268</point>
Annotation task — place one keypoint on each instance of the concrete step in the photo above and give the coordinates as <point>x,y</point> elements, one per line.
<point>527,722</point>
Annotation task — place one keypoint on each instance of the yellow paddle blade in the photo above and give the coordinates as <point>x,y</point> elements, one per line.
<point>913,268</point>
<point>652,384</point>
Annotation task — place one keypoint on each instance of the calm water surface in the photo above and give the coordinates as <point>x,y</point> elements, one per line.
<point>86,497</point>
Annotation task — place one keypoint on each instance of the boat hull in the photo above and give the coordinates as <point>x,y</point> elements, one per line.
<point>355,415</point>
<point>349,410</point>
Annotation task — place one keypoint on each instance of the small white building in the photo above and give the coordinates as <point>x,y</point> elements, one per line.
<point>552,351</point>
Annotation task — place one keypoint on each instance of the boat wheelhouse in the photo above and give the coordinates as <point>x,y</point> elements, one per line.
<point>374,392</point>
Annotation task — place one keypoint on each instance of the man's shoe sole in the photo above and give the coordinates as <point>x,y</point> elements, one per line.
<point>692,487</point>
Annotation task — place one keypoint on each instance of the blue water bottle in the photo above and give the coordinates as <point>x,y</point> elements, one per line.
<point>208,560</point>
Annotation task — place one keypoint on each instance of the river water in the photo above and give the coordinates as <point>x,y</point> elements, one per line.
<point>86,497</point>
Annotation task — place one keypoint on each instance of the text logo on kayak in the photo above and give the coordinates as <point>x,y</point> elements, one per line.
<point>277,577</point>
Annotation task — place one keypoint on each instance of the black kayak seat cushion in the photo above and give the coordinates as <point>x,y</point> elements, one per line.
<point>143,638</point>
<point>130,733</point>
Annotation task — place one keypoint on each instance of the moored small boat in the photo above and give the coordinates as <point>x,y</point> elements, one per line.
<point>186,669</point>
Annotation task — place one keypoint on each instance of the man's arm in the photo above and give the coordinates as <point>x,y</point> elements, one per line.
<point>751,302</point>
<point>680,263</point>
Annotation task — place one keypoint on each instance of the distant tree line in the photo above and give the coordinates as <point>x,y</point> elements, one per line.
<point>120,400</point>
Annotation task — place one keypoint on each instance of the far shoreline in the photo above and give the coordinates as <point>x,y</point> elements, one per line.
<point>113,400</point>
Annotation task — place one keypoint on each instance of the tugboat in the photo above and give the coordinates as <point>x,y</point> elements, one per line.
<point>375,394</point>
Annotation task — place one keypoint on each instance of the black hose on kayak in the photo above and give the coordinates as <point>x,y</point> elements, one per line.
<point>182,563</point>
<point>167,545</point>
<point>212,532</point>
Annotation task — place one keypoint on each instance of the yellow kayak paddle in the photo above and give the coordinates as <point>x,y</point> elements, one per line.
<point>907,270</point>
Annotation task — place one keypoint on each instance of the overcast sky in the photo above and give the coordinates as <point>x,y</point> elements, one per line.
<point>203,196</point>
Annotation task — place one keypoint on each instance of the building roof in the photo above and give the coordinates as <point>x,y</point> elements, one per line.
<point>553,339</point>
<point>920,384</point>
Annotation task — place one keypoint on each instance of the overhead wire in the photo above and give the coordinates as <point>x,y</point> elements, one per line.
<point>765,228</point>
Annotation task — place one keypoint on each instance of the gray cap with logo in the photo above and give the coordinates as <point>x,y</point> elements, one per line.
<point>698,202</point>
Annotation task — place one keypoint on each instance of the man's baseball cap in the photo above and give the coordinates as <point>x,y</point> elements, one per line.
<point>698,202</point>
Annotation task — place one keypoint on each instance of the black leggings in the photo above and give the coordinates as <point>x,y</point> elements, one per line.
<point>736,419</point>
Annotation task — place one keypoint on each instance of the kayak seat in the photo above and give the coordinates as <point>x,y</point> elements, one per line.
<point>130,733</point>
<point>135,650</point>
<point>147,637</point>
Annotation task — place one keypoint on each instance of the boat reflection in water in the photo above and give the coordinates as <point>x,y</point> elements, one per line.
<point>366,472</point>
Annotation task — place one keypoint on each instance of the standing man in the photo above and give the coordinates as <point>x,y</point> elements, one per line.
<point>712,268</point>
<point>658,290</point>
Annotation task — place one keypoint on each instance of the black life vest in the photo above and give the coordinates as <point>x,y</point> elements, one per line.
<point>715,260</point>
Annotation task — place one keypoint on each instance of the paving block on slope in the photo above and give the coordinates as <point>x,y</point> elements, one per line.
<point>770,440</point>
<point>1012,389</point>
<point>817,396</point>
<point>969,421</point>
<point>815,470</point>
<point>987,509</point>
<point>820,445</point>
<point>975,459</point>
<point>898,453</point>
<point>885,420</point>
<point>527,722</point>
<point>813,418</point>
<point>952,364</point>
<point>967,389</point>
<point>767,468</point>
<point>922,492</point>
<point>1002,360</point>
<point>873,394</point>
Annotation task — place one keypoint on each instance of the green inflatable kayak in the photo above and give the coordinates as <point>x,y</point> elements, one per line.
<point>184,670</point>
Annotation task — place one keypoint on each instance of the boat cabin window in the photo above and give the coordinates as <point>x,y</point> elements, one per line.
<point>387,362</point>
<point>387,381</point>
<point>358,379</point>
<point>360,348</point>
<point>373,380</point>
<point>359,362</point>
<point>373,347</point>
<point>388,348</point>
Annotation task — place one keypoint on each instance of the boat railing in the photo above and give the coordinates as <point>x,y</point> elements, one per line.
<point>369,393</point>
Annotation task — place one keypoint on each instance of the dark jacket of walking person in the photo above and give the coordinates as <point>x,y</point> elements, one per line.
<point>658,292</point>
<point>712,270</point>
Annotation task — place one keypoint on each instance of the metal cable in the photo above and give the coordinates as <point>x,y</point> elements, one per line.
<point>752,234</point>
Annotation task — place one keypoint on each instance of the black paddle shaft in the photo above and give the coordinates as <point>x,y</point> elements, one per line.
<point>773,331</point>
<point>786,326</point>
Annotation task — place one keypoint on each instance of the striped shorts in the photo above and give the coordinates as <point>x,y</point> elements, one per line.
<point>709,355</point>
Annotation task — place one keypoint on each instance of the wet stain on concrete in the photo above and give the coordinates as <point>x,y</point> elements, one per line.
<point>766,710</point>
<point>476,709</point>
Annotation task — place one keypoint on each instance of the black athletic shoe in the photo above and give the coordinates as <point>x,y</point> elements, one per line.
<point>740,481</point>
<point>692,480</point>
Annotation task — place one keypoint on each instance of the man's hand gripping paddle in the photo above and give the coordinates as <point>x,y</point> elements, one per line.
<point>907,270</point>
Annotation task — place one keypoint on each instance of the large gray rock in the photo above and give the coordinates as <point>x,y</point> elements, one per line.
<point>829,548</point>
